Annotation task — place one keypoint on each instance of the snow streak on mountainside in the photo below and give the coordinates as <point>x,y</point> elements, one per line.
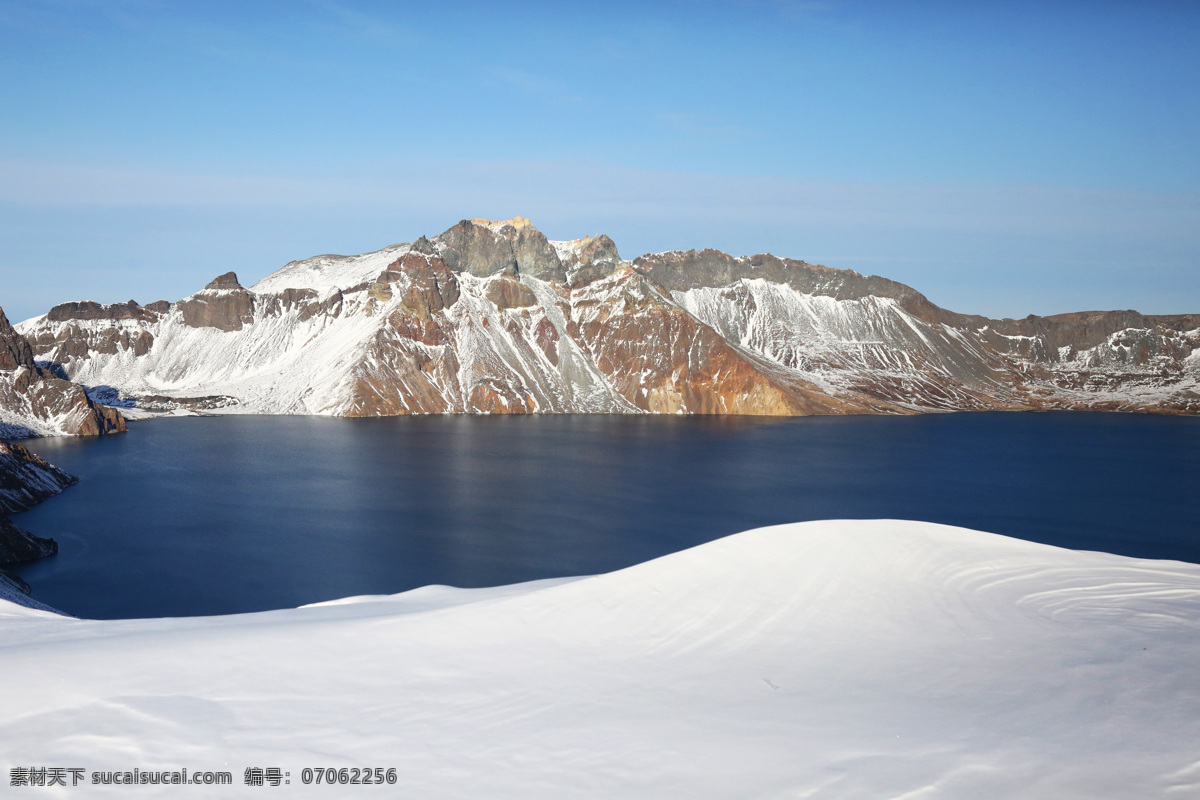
<point>852,659</point>
<point>492,317</point>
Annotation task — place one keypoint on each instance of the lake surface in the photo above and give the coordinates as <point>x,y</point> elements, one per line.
<point>227,514</point>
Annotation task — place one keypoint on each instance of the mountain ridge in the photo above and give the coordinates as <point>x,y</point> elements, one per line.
<point>494,317</point>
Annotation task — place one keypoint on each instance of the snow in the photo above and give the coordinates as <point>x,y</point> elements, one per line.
<point>29,411</point>
<point>282,364</point>
<point>346,354</point>
<point>568,250</point>
<point>844,659</point>
<point>328,273</point>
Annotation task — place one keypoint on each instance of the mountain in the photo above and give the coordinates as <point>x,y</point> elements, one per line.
<point>34,401</point>
<point>493,317</point>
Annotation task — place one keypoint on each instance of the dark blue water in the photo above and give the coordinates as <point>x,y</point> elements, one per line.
<point>217,515</point>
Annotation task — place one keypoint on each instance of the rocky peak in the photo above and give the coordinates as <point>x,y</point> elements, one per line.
<point>224,304</point>
<point>511,247</point>
<point>600,248</point>
<point>517,222</point>
<point>15,351</point>
<point>227,281</point>
<point>588,259</point>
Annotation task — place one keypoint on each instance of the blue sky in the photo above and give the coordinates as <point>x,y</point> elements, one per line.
<point>1003,158</point>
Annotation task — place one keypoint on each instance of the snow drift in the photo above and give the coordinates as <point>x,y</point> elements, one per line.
<point>818,660</point>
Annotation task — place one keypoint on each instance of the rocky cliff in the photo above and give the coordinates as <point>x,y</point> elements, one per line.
<point>25,481</point>
<point>34,401</point>
<point>493,317</point>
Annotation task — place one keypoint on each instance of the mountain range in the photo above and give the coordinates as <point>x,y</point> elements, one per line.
<point>494,317</point>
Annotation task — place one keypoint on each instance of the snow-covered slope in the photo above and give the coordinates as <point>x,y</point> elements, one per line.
<point>492,317</point>
<point>876,345</point>
<point>819,660</point>
<point>400,332</point>
<point>35,402</point>
<point>868,343</point>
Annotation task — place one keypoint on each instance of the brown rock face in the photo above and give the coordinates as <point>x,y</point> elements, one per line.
<point>663,360</point>
<point>87,310</point>
<point>15,351</point>
<point>227,281</point>
<point>304,301</point>
<point>489,317</point>
<point>426,285</point>
<point>223,305</point>
<point>33,400</point>
<point>473,246</point>
<point>597,258</point>
<point>508,292</point>
<point>75,340</point>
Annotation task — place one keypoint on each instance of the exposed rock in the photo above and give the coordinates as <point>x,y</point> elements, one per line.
<point>162,402</point>
<point>34,401</point>
<point>1088,329</point>
<point>589,259</point>
<point>508,292</point>
<point>227,281</point>
<point>15,352</point>
<point>25,480</point>
<point>493,317</point>
<point>468,247</point>
<point>679,271</point>
<point>305,302</point>
<point>18,545</point>
<point>87,310</point>
<point>11,584</point>
<point>482,247</point>
<point>223,304</point>
<point>663,360</point>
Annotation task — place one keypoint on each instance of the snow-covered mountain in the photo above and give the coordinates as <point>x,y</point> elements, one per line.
<point>36,402</point>
<point>492,317</point>
<point>852,659</point>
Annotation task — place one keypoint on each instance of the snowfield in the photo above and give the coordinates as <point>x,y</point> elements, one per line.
<point>845,659</point>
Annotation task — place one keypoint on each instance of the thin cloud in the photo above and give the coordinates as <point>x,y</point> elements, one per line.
<point>592,188</point>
